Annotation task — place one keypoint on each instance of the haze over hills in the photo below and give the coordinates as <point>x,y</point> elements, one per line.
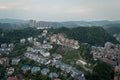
<point>10,24</point>
<point>91,23</point>
<point>69,24</point>
<point>8,20</point>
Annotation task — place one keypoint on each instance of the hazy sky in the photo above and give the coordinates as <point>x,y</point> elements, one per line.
<point>60,10</point>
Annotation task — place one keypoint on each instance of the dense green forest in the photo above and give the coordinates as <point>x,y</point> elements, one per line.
<point>9,26</point>
<point>16,35</point>
<point>113,30</point>
<point>102,71</point>
<point>91,35</point>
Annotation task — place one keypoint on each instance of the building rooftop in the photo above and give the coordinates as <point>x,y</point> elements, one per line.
<point>35,69</point>
<point>12,78</point>
<point>45,71</point>
<point>25,67</point>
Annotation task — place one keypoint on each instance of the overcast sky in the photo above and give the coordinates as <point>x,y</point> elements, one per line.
<point>60,10</point>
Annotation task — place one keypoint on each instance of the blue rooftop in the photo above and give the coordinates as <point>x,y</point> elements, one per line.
<point>35,69</point>
<point>26,67</point>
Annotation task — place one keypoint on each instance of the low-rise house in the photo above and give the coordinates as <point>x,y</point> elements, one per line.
<point>61,39</point>
<point>57,56</point>
<point>63,66</point>
<point>15,61</point>
<point>4,61</point>
<point>47,46</point>
<point>29,49</point>
<point>6,49</point>
<point>10,70</point>
<point>12,78</point>
<point>109,53</point>
<point>53,38</point>
<point>47,61</point>
<point>30,39</point>
<point>53,75</point>
<point>43,34</point>
<point>35,39</point>
<point>39,36</point>
<point>117,68</point>
<point>35,69</point>
<point>76,43</point>
<point>38,58</point>
<point>74,72</point>
<point>45,71</point>
<point>68,69</point>
<point>4,45</point>
<point>47,38</point>
<point>11,45</point>
<point>44,41</point>
<point>57,66</point>
<point>56,63</point>
<point>22,40</point>
<point>45,53</point>
<point>25,68</point>
<point>36,44</point>
<point>45,31</point>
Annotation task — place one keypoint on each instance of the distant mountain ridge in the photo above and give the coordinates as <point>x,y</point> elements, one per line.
<point>103,23</point>
<point>10,24</point>
<point>68,24</point>
<point>13,21</point>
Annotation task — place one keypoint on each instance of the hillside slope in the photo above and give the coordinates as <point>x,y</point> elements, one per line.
<point>91,35</point>
<point>113,30</point>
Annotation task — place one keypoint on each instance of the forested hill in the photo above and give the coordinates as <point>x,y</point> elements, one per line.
<point>113,30</point>
<point>16,35</point>
<point>91,35</point>
<point>10,26</point>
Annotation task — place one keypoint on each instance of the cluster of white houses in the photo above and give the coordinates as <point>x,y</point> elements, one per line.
<point>5,61</point>
<point>37,50</point>
<point>29,39</point>
<point>34,39</point>
<point>110,53</point>
<point>58,64</point>
<point>6,48</point>
<point>44,71</point>
<point>62,40</point>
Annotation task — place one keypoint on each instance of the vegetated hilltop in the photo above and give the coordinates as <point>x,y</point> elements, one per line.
<point>18,23</point>
<point>91,35</point>
<point>16,35</point>
<point>113,30</point>
<point>10,24</point>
